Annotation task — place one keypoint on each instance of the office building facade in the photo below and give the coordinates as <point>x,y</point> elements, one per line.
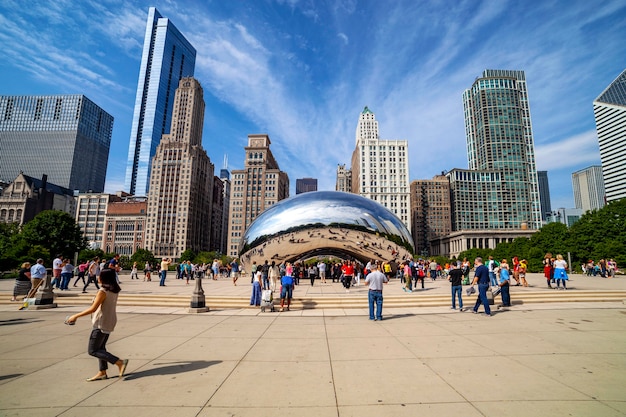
<point>588,186</point>
<point>217,215</point>
<point>610,113</point>
<point>226,188</point>
<point>544,194</point>
<point>344,179</point>
<point>566,216</point>
<point>65,137</point>
<point>253,189</point>
<point>380,168</point>
<point>181,184</point>
<point>91,212</point>
<point>500,147</point>
<point>430,212</point>
<point>167,58</point>
<point>125,227</point>
<point>305,185</point>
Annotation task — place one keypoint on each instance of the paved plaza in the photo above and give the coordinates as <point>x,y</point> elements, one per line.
<point>545,359</point>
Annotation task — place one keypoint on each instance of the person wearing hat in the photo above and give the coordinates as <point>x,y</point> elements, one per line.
<point>375,280</point>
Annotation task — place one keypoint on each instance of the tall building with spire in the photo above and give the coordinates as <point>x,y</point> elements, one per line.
<point>253,189</point>
<point>610,114</point>
<point>181,184</point>
<point>380,168</point>
<point>167,58</point>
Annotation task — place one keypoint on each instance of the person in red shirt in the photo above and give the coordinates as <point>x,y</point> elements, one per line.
<point>348,274</point>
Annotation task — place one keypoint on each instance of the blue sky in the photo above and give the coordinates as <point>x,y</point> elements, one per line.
<point>302,71</point>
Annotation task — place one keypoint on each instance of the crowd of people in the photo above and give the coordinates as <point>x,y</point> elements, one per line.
<point>269,275</point>
<point>603,268</point>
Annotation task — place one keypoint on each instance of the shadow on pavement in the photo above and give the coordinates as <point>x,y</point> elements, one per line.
<point>13,322</point>
<point>10,376</point>
<point>171,368</point>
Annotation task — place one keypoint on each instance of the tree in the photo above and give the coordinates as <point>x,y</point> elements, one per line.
<point>9,240</point>
<point>187,255</point>
<point>55,231</point>
<point>474,253</point>
<point>600,234</point>
<point>88,254</point>
<point>141,256</point>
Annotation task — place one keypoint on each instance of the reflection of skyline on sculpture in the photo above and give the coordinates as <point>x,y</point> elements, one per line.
<point>365,225</point>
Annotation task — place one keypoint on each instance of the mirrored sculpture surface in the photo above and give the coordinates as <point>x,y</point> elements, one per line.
<point>325,223</point>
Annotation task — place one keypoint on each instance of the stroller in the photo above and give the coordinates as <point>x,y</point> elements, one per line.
<point>267,301</point>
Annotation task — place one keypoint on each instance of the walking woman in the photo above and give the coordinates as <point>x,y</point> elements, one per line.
<point>103,318</point>
<point>22,282</point>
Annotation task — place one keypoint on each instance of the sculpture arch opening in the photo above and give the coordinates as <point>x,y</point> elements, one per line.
<point>324,223</point>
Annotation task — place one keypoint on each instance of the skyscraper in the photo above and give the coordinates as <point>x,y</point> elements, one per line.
<point>588,187</point>
<point>497,199</point>
<point>610,114</point>
<point>304,185</point>
<point>430,212</point>
<point>344,179</point>
<point>91,216</point>
<point>380,168</point>
<point>167,58</point>
<point>500,144</point>
<point>253,189</point>
<point>66,137</point>
<point>181,184</point>
<point>544,194</point>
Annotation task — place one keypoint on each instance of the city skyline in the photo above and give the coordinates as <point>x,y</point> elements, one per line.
<point>301,73</point>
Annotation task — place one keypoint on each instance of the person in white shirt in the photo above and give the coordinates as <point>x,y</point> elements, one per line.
<point>375,280</point>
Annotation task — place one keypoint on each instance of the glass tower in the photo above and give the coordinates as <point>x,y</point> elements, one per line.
<point>66,137</point>
<point>610,113</point>
<point>500,145</point>
<point>167,58</point>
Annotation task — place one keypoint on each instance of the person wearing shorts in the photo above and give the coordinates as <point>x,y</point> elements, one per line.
<point>286,291</point>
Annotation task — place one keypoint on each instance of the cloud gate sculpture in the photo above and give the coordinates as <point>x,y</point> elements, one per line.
<point>325,223</point>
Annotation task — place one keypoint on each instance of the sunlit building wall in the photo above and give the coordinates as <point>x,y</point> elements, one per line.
<point>258,186</point>
<point>380,168</point>
<point>610,114</point>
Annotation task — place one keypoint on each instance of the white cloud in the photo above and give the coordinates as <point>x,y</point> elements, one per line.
<point>571,152</point>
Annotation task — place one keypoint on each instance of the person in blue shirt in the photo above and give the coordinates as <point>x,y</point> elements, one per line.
<point>37,275</point>
<point>286,291</point>
<point>481,277</point>
<point>234,271</point>
<point>505,284</point>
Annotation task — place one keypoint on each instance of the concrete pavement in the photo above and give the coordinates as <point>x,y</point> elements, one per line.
<point>533,359</point>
